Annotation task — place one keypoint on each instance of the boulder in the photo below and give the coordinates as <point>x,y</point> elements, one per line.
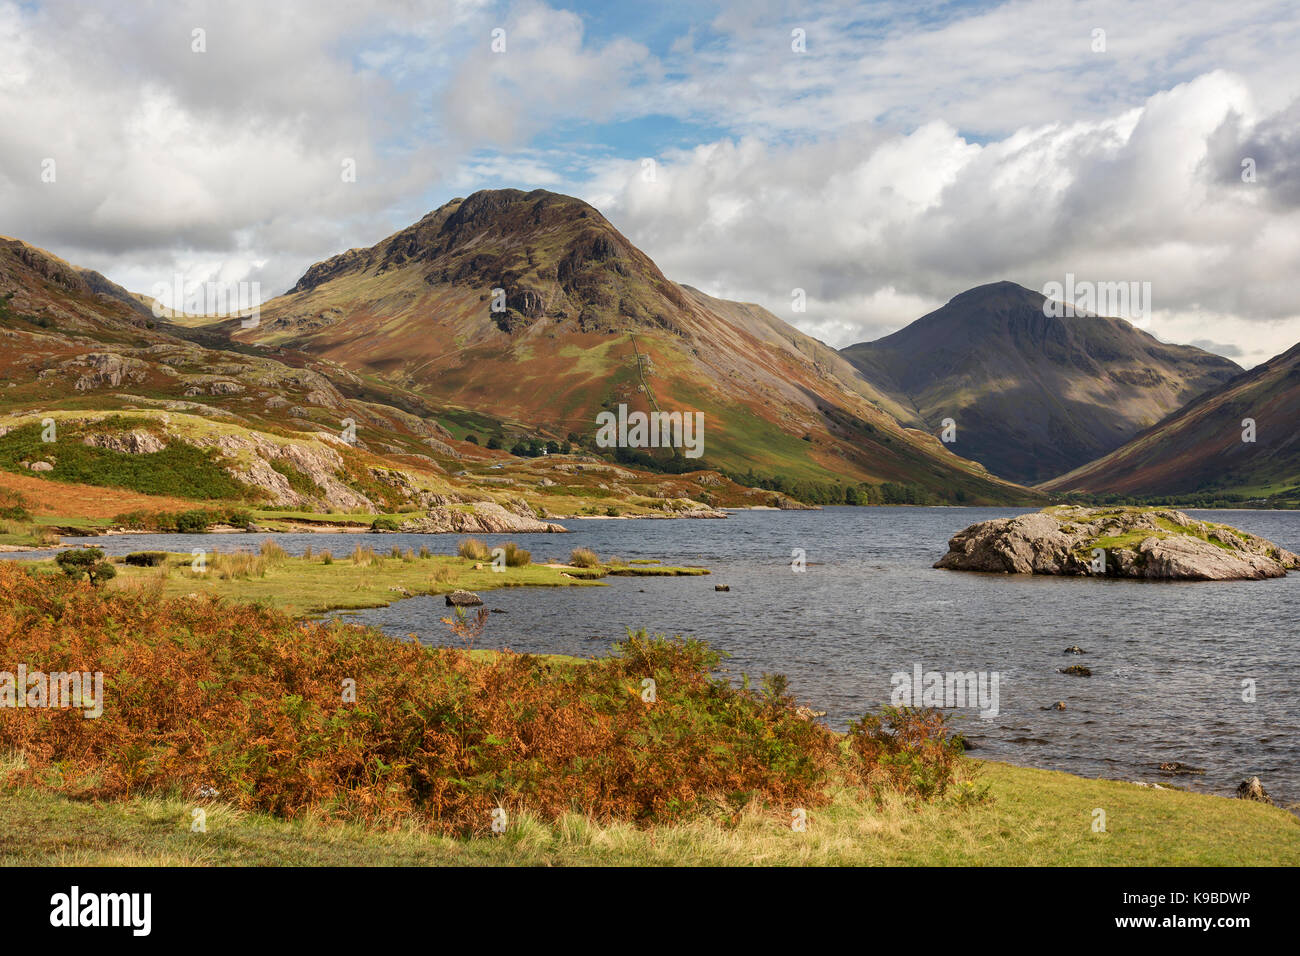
<point>134,442</point>
<point>1147,544</point>
<point>1252,789</point>
<point>459,598</point>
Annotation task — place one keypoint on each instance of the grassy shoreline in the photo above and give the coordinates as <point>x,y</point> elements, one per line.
<point>215,692</point>
<point>365,578</point>
<point>1036,818</point>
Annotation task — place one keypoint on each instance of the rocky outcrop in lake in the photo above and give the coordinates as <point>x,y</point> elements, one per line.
<point>1144,543</point>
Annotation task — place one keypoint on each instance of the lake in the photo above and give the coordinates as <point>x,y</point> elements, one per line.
<point>1168,660</point>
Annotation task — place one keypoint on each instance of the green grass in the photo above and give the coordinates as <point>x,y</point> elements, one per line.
<point>1036,818</point>
<point>308,586</point>
<point>179,469</point>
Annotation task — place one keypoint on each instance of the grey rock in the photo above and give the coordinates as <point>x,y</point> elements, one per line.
<point>1162,545</point>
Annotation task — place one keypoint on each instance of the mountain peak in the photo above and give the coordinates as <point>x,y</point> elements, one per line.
<point>1003,291</point>
<point>504,219</point>
<point>1033,395</point>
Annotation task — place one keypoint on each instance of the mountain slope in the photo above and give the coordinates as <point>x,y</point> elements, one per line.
<point>585,322</point>
<point>1199,448</point>
<point>139,407</point>
<point>1033,396</point>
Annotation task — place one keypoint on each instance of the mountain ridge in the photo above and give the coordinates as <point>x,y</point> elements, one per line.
<point>1199,448</point>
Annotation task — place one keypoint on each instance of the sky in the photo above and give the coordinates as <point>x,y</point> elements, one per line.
<point>880,157</point>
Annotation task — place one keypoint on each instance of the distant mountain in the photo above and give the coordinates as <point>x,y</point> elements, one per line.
<point>531,308</point>
<point>1199,448</point>
<point>1032,396</point>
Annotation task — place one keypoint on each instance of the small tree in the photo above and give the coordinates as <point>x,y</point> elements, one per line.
<point>87,561</point>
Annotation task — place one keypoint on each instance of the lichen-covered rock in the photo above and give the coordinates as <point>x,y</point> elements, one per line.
<point>481,517</point>
<point>134,442</point>
<point>1151,544</point>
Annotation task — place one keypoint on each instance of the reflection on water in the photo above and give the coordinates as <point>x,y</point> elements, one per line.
<point>1168,660</point>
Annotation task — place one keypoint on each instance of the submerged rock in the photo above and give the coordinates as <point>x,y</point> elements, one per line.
<point>1144,543</point>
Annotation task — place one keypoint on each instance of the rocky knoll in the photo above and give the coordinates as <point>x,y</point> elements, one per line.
<point>478,517</point>
<point>1153,544</point>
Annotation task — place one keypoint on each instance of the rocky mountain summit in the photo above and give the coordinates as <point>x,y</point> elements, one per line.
<point>1151,544</point>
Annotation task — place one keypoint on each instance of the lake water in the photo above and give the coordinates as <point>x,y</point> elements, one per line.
<point>1168,660</point>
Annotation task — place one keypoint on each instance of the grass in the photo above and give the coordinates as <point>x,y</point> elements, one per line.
<point>180,468</point>
<point>362,579</point>
<point>1037,818</point>
<point>406,770</point>
<point>27,534</point>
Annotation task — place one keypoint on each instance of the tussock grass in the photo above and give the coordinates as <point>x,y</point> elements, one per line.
<point>474,549</point>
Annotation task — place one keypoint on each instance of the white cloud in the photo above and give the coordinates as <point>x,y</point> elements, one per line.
<point>864,223</point>
<point>911,152</point>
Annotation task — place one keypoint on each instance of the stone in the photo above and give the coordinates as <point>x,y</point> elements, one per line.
<point>1158,544</point>
<point>1252,789</point>
<point>134,442</point>
<point>461,598</point>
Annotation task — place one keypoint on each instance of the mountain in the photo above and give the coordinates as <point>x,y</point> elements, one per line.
<point>1199,448</point>
<point>530,313</point>
<point>144,416</point>
<point>1032,396</point>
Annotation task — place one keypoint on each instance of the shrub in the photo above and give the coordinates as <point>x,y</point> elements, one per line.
<point>474,549</point>
<point>193,522</point>
<point>516,557</point>
<point>436,736</point>
<point>13,507</point>
<point>584,558</point>
<point>910,750</point>
<point>89,562</point>
<point>145,559</point>
<point>385,523</point>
